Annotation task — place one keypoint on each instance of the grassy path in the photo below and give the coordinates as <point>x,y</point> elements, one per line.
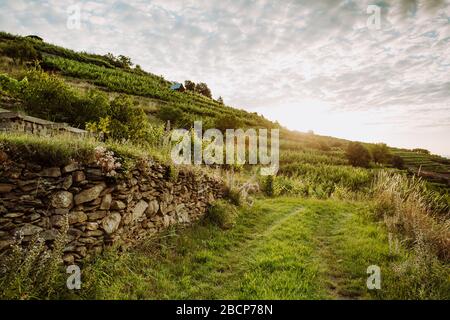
<point>284,248</point>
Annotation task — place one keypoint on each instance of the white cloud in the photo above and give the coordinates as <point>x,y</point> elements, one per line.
<point>268,54</point>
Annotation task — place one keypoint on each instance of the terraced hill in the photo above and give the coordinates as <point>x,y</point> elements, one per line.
<point>85,71</point>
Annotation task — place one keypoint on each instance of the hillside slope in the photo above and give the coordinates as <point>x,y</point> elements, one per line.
<point>84,71</point>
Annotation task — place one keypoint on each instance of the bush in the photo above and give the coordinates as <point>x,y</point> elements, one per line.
<point>222,214</point>
<point>11,85</point>
<point>126,121</point>
<point>33,271</point>
<point>21,51</point>
<point>228,122</point>
<point>268,186</point>
<point>170,113</point>
<point>380,153</point>
<point>49,97</point>
<point>189,85</point>
<point>203,89</point>
<point>358,155</point>
<point>397,162</point>
<point>408,208</point>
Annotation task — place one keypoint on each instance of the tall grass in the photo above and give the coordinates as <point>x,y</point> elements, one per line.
<point>33,271</point>
<point>61,149</point>
<point>408,208</point>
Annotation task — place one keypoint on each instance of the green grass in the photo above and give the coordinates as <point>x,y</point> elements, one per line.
<point>284,248</point>
<point>62,149</point>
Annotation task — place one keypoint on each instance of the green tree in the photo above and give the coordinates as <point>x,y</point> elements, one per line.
<point>203,89</point>
<point>125,61</point>
<point>127,122</point>
<point>228,122</point>
<point>189,85</point>
<point>358,155</point>
<point>380,153</point>
<point>170,113</point>
<point>220,100</point>
<point>49,97</point>
<point>21,51</point>
<point>397,162</point>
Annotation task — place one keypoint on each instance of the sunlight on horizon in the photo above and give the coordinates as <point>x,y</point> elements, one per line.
<point>358,125</point>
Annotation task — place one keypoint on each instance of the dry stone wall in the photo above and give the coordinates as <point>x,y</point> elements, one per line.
<point>101,210</point>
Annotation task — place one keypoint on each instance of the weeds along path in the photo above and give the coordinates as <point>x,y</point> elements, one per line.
<point>282,248</point>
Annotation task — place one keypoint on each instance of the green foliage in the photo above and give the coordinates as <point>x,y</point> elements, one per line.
<point>170,113</point>
<point>228,122</point>
<point>21,51</point>
<point>126,121</point>
<point>62,149</point>
<point>49,97</point>
<point>235,196</point>
<point>291,248</point>
<point>420,150</point>
<point>151,86</point>
<point>222,214</point>
<point>409,208</point>
<point>53,151</point>
<point>380,153</point>
<point>33,271</point>
<point>189,85</point>
<point>324,178</point>
<point>11,85</point>
<point>358,155</point>
<point>203,89</point>
<point>397,162</point>
<point>268,185</point>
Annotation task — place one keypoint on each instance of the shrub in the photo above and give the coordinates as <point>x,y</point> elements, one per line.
<point>203,89</point>
<point>358,155</point>
<point>126,121</point>
<point>51,98</point>
<point>11,85</point>
<point>420,276</point>
<point>228,121</point>
<point>380,153</point>
<point>32,271</point>
<point>397,162</point>
<point>107,161</point>
<point>408,208</point>
<point>222,214</point>
<point>268,186</point>
<point>189,85</point>
<point>21,51</point>
<point>170,113</point>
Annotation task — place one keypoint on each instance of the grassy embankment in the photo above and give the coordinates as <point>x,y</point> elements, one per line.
<point>283,248</point>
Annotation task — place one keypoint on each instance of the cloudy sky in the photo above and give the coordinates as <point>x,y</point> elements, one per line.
<point>315,65</point>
